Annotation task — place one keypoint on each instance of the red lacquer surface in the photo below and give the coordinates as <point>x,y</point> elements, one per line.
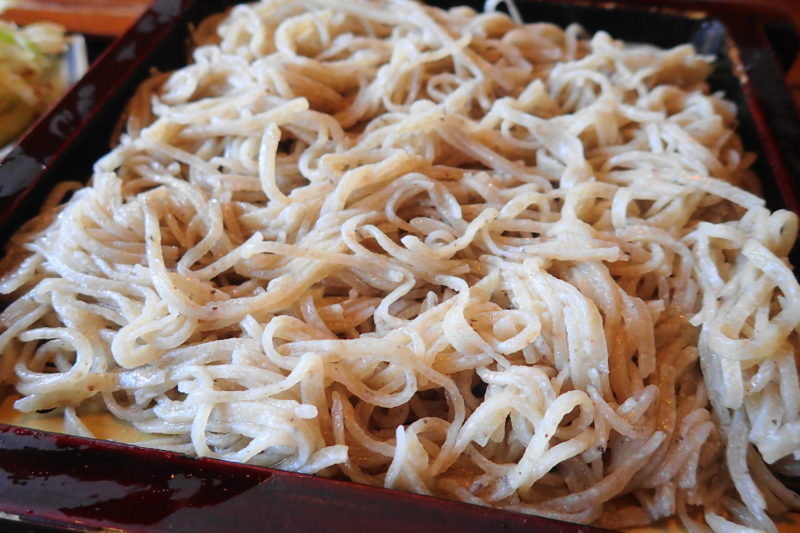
<point>50,479</point>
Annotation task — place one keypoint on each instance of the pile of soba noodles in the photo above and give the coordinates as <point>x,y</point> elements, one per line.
<point>437,251</point>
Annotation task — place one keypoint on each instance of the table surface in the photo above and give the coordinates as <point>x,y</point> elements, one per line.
<point>97,17</point>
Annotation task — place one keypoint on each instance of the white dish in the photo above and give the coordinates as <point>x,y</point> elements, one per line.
<point>72,66</point>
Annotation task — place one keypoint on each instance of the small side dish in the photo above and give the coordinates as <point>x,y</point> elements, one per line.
<point>38,62</point>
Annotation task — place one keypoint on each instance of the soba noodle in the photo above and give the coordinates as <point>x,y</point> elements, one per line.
<point>437,251</point>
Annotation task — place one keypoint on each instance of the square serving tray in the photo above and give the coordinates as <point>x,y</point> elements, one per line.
<point>67,482</point>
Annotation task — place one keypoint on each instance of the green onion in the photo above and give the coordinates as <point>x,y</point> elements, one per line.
<point>7,37</point>
<point>32,46</point>
<point>16,40</point>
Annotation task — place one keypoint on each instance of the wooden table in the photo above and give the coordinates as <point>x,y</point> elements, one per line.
<point>95,17</point>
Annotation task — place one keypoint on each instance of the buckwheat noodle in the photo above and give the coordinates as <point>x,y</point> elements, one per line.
<point>437,251</point>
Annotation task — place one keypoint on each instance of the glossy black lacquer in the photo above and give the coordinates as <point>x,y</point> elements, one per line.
<point>51,480</point>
